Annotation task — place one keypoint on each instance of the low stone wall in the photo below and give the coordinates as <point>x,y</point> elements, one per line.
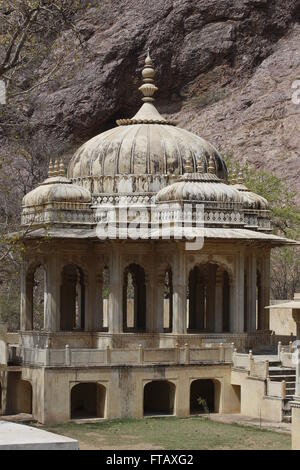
<point>99,340</point>
<point>102,357</point>
<point>255,401</point>
<point>276,389</point>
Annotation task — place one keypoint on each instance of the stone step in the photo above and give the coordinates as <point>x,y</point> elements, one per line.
<point>282,370</point>
<point>280,378</point>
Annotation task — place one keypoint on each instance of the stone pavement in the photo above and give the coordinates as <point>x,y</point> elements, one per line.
<point>15,436</point>
<point>21,418</point>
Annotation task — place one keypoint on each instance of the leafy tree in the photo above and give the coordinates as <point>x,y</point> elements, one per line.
<point>285,261</point>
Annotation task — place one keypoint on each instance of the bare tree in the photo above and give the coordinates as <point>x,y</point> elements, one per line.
<point>25,29</point>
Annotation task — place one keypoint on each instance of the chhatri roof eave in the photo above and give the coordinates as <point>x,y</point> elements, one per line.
<point>293,304</point>
<point>89,232</point>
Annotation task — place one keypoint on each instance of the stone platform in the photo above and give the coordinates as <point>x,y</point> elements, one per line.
<point>20,437</point>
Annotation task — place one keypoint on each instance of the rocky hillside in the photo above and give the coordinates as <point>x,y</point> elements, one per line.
<point>224,70</point>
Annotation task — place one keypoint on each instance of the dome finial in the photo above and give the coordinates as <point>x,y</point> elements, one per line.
<point>211,166</point>
<point>55,171</point>
<point>200,166</point>
<point>61,168</point>
<point>240,178</point>
<point>148,88</point>
<point>50,168</point>
<point>189,166</point>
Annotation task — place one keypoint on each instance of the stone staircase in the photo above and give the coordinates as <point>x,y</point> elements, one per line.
<point>278,373</point>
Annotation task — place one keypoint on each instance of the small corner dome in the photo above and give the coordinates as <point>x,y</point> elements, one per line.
<point>251,200</point>
<point>57,189</point>
<point>199,188</point>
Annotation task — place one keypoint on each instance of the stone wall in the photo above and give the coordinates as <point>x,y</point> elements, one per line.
<point>124,388</point>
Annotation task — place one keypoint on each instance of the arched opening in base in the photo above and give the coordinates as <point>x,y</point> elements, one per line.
<point>19,394</point>
<point>202,396</point>
<point>159,398</point>
<point>88,401</point>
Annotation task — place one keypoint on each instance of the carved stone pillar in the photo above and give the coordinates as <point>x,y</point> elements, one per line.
<point>93,301</point>
<point>219,302</point>
<point>159,310</point>
<point>251,294</point>
<point>265,290</point>
<point>150,315</point>
<point>98,322</point>
<point>115,295</point>
<point>26,306</point>
<point>200,303</point>
<point>179,294</point>
<point>211,297</point>
<point>53,285</point>
<point>238,294</point>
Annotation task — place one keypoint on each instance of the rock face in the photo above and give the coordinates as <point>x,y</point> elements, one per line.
<point>259,122</point>
<point>225,70</point>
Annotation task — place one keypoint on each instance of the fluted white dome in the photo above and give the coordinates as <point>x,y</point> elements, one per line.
<point>251,200</point>
<point>142,149</point>
<point>57,189</point>
<point>200,188</point>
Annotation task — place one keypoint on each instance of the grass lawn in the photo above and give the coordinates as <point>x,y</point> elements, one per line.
<point>170,433</point>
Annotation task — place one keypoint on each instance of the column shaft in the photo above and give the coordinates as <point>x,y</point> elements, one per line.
<point>26,300</point>
<point>159,310</point>
<point>115,319</point>
<point>53,288</point>
<point>179,294</point>
<point>251,296</point>
<point>211,297</point>
<point>238,296</point>
<point>219,304</point>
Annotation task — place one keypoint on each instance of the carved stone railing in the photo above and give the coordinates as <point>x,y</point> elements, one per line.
<point>99,340</point>
<point>276,389</point>
<point>241,360</point>
<point>288,360</point>
<point>286,354</point>
<point>256,369</point>
<point>221,353</point>
<point>259,370</point>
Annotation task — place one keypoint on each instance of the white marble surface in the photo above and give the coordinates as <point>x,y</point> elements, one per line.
<point>20,437</point>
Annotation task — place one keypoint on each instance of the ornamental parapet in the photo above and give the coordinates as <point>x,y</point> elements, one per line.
<point>72,357</point>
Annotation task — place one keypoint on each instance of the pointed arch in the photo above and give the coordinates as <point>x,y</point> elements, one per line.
<point>208,298</point>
